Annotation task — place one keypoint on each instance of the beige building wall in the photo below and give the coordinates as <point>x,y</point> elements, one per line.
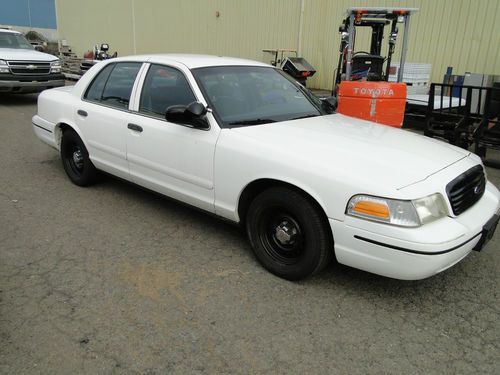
<point>464,34</point>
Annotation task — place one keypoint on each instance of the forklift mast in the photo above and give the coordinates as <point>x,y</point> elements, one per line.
<point>351,63</point>
<point>362,84</point>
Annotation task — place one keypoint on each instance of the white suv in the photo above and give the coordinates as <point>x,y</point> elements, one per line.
<point>23,69</point>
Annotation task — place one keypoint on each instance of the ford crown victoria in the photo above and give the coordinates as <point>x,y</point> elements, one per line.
<point>243,141</point>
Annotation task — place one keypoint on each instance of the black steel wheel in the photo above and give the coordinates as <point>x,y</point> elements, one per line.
<point>281,235</point>
<point>289,233</point>
<point>75,159</point>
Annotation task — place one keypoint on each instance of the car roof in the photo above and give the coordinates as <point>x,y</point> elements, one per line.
<point>9,31</point>
<point>193,61</point>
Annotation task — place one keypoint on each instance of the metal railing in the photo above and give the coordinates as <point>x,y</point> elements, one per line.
<point>464,115</point>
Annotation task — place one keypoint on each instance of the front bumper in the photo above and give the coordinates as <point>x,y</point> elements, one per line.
<point>10,83</point>
<point>413,253</point>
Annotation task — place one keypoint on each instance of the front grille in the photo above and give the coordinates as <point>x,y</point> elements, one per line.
<point>465,190</point>
<point>29,67</point>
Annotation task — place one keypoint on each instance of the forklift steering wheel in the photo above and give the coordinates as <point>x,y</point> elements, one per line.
<point>359,52</point>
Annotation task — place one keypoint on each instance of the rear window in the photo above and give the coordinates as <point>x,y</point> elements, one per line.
<point>94,92</point>
<point>113,85</point>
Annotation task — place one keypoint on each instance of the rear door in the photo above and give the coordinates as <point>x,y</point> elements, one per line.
<point>102,116</point>
<point>175,160</point>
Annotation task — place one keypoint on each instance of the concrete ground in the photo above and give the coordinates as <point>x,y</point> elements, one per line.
<point>113,279</point>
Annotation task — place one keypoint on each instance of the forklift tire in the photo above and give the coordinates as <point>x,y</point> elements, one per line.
<point>481,152</point>
<point>462,142</point>
<point>428,134</point>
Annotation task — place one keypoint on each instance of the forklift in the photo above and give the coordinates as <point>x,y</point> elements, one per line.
<point>361,82</point>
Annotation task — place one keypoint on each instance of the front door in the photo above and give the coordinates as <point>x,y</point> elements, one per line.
<point>172,159</point>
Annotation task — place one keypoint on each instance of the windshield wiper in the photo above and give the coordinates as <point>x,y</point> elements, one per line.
<point>326,106</point>
<point>257,121</point>
<point>300,117</point>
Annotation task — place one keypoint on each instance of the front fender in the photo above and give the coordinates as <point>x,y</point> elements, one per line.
<point>238,164</point>
<point>280,180</point>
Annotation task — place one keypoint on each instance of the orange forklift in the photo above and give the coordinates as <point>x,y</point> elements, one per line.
<point>361,83</point>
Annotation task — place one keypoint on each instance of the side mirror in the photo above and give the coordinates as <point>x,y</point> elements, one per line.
<point>196,109</point>
<point>192,114</point>
<point>330,102</point>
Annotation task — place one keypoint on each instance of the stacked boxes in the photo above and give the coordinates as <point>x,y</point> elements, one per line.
<point>415,75</point>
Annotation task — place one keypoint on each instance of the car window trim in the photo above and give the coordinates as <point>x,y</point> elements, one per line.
<point>171,123</point>
<point>134,99</point>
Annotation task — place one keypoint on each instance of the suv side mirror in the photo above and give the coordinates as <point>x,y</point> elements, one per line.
<point>192,114</point>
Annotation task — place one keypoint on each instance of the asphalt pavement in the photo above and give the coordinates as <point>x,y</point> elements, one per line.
<point>113,279</point>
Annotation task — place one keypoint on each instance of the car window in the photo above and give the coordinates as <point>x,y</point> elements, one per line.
<point>248,95</point>
<point>94,92</point>
<point>15,41</point>
<point>114,84</point>
<point>163,87</point>
<point>119,85</point>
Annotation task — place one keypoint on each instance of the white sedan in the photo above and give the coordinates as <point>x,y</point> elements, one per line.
<point>242,140</point>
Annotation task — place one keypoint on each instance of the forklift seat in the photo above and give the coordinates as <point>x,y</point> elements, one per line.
<point>367,66</point>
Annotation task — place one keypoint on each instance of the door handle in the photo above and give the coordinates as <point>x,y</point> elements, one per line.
<point>135,127</point>
<point>82,113</point>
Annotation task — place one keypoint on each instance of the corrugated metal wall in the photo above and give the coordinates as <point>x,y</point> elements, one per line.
<point>89,22</point>
<point>464,34</point>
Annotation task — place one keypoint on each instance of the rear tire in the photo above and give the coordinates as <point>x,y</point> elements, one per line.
<point>289,233</point>
<point>76,161</point>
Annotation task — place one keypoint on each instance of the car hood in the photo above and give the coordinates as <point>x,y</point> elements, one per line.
<point>24,55</point>
<point>346,145</point>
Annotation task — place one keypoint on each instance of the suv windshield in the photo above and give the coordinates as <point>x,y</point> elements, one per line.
<point>12,40</point>
<point>252,95</point>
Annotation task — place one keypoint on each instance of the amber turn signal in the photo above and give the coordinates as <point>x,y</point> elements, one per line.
<point>372,209</point>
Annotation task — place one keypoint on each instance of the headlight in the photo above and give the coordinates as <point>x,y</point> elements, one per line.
<point>431,208</point>
<point>404,213</point>
<point>55,66</point>
<point>4,68</point>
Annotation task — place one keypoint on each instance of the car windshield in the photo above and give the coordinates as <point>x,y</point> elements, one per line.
<point>16,41</point>
<point>253,95</point>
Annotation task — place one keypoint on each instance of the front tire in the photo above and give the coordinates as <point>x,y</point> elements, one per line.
<point>76,161</point>
<point>289,233</point>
